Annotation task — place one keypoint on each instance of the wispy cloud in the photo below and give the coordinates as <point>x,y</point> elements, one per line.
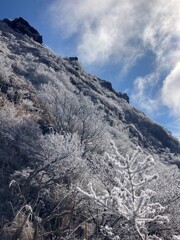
<point>143,93</point>
<point>162,32</point>
<point>119,29</point>
<point>125,31</point>
<point>106,28</point>
<point>171,90</point>
<point>161,35</point>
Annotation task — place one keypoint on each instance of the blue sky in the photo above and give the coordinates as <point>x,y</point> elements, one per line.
<point>133,44</point>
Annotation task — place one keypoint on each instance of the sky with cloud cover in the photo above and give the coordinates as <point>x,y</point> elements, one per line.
<point>134,44</point>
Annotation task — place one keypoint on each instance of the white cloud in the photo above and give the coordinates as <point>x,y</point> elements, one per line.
<point>162,33</point>
<point>143,92</point>
<point>122,31</point>
<point>106,28</point>
<point>171,90</point>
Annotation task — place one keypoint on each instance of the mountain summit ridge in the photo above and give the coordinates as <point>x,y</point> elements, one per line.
<point>22,26</point>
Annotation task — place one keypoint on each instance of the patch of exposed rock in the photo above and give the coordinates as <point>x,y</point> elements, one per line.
<point>22,26</point>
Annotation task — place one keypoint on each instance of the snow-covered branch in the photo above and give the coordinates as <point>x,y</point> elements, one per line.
<point>130,197</point>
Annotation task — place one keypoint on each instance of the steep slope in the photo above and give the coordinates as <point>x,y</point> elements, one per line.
<point>57,127</point>
<point>32,64</point>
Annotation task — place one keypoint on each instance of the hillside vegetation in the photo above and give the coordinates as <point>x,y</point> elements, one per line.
<point>77,161</point>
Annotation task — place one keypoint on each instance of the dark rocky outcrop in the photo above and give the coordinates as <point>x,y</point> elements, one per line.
<point>107,85</point>
<point>73,58</point>
<point>124,96</point>
<point>22,26</point>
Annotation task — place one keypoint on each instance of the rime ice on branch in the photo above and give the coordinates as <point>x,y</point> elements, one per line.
<point>130,197</point>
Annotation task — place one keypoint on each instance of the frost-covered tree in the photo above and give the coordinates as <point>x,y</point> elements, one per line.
<point>52,182</point>
<point>168,194</point>
<point>130,197</point>
<point>75,114</point>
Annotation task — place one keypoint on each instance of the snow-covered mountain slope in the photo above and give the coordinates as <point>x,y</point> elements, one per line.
<point>29,65</point>
<point>74,153</point>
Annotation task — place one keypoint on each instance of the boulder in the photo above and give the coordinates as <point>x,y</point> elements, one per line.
<point>73,58</point>
<point>107,85</point>
<point>22,26</point>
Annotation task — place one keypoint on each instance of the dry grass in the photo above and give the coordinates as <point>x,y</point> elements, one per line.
<point>20,229</point>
